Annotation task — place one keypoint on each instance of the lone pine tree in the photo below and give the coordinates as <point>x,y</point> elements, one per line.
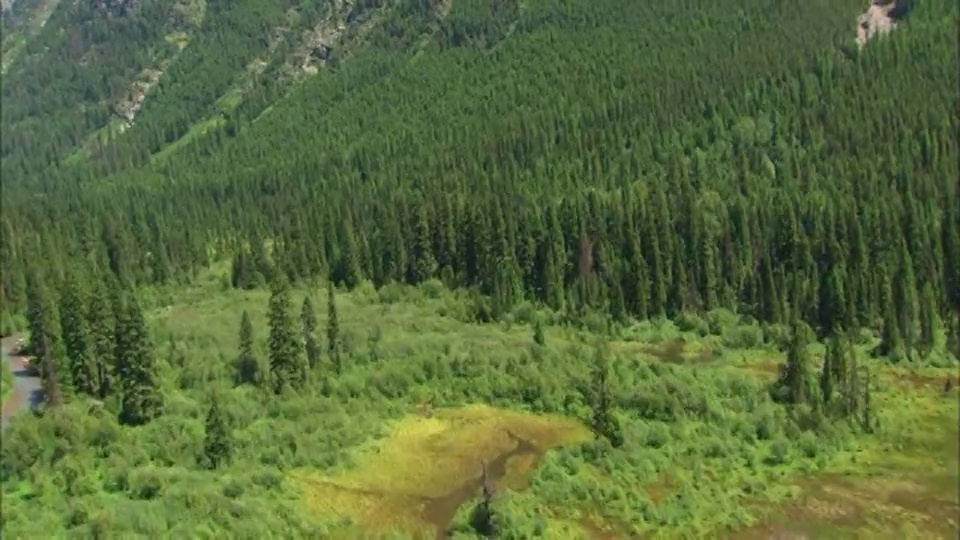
<point>284,347</point>
<point>333,330</point>
<point>140,397</point>
<point>604,423</point>
<point>308,323</point>
<point>792,384</point>
<point>217,447</point>
<point>248,368</point>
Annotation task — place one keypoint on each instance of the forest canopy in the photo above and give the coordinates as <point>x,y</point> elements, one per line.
<point>631,266</point>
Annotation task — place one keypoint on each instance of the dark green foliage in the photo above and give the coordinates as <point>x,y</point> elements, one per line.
<point>102,323</point>
<point>538,337</point>
<point>308,325</point>
<point>333,330</point>
<point>608,160</point>
<point>217,447</point>
<point>248,367</point>
<point>689,198</point>
<point>603,422</point>
<point>793,385</point>
<point>484,518</point>
<point>46,341</point>
<point>868,421</point>
<point>140,396</point>
<point>77,337</point>
<point>286,352</point>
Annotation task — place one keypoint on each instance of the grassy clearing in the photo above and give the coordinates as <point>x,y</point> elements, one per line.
<point>102,136</point>
<point>902,482</point>
<point>196,130</point>
<point>689,475</point>
<point>426,460</point>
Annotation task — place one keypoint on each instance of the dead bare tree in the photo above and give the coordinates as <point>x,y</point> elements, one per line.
<point>483,519</point>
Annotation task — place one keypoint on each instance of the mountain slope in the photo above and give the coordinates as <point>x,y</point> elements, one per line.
<point>430,124</point>
<point>723,235</point>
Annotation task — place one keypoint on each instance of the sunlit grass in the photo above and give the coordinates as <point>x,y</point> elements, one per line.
<point>429,456</point>
<point>900,479</point>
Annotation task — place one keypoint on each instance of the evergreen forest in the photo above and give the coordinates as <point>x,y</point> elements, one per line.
<point>480,269</point>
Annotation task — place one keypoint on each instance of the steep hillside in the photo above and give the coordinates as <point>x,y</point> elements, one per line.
<point>430,124</point>
<point>590,269</point>
<point>161,73</point>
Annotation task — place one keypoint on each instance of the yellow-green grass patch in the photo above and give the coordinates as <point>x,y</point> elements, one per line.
<point>414,479</point>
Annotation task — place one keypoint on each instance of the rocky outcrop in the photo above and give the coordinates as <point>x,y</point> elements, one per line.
<point>880,18</point>
<point>128,107</point>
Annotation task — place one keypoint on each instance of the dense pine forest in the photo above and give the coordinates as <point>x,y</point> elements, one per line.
<point>550,182</point>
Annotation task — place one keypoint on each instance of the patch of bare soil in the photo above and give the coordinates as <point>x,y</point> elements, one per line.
<point>675,352</point>
<point>837,506</point>
<point>880,18</point>
<point>938,383</point>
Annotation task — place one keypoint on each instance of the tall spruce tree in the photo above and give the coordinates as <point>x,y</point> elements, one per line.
<point>101,319</point>
<point>217,446</point>
<point>140,397</point>
<point>793,378</point>
<point>333,330</point>
<point>248,368</point>
<point>284,347</point>
<point>929,321</point>
<point>604,423</point>
<point>76,336</point>
<point>46,342</point>
<point>308,323</point>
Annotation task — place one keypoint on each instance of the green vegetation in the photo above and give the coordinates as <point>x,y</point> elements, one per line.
<point>6,379</point>
<point>540,268</point>
<point>705,447</point>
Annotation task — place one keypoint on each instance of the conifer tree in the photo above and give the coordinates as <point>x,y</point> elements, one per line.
<point>793,378</point>
<point>604,422</point>
<point>76,337</point>
<point>867,414</point>
<point>349,270</point>
<point>423,264</point>
<point>46,343</point>
<point>852,387</point>
<point>52,396</point>
<point>538,337</point>
<point>953,335</point>
<point>248,368</point>
<point>102,322</point>
<point>928,321</point>
<point>284,347</point>
<point>333,330</point>
<point>833,377</point>
<point>826,374</point>
<point>554,260</point>
<point>308,322</point>
<point>217,447</point>
<point>140,397</point>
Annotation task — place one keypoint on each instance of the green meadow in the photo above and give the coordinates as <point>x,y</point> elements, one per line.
<point>392,448</point>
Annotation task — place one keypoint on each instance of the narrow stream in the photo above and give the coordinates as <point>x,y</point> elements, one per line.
<point>441,510</point>
<point>26,391</point>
